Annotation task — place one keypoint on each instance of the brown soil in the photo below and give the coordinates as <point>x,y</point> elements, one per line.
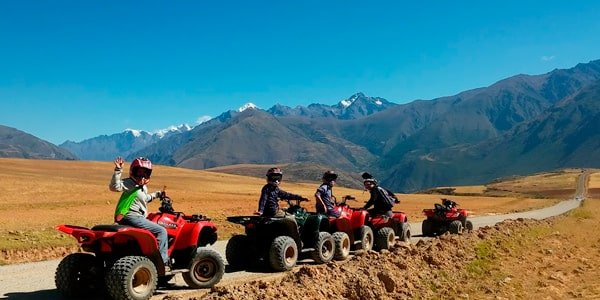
<point>525,259</point>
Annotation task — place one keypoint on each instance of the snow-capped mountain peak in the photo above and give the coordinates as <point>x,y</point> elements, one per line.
<point>135,132</point>
<point>347,102</point>
<point>181,128</point>
<point>248,105</point>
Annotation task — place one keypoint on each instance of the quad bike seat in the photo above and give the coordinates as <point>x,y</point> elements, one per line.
<point>110,227</point>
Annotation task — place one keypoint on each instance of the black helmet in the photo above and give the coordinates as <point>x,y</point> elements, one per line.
<point>274,174</point>
<point>330,176</point>
<point>368,178</point>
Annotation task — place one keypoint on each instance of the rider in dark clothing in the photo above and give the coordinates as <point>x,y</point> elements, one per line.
<point>268,204</point>
<point>377,199</point>
<point>325,203</point>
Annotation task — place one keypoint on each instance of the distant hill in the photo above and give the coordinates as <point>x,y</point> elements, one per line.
<point>565,135</point>
<point>107,147</point>
<point>256,137</point>
<point>19,144</point>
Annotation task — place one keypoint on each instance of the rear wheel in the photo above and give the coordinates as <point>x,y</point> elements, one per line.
<point>237,252</point>
<point>78,274</point>
<point>324,248</point>
<point>427,228</point>
<point>365,237</point>
<point>132,277</point>
<point>385,238</point>
<point>342,245</point>
<point>405,232</point>
<point>455,227</point>
<point>206,269</point>
<point>283,253</point>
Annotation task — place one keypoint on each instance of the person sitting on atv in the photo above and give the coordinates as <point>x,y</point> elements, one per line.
<point>132,206</point>
<point>381,199</point>
<point>449,204</point>
<point>324,198</point>
<point>268,204</point>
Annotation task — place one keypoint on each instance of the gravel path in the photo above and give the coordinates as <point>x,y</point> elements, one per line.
<point>36,280</point>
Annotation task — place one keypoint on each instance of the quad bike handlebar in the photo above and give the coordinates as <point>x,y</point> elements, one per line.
<point>297,201</point>
<point>345,199</point>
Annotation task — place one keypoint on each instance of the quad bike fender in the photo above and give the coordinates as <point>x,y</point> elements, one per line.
<point>83,235</point>
<point>268,231</point>
<point>143,238</point>
<point>358,219</point>
<point>313,225</point>
<point>195,235</point>
<point>340,224</point>
<point>400,217</point>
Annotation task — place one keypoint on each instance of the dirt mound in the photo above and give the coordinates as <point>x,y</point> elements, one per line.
<point>424,269</point>
<point>35,254</point>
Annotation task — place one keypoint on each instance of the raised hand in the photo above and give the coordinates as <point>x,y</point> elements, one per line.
<point>119,161</point>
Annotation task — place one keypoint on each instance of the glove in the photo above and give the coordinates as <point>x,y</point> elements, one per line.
<point>118,218</point>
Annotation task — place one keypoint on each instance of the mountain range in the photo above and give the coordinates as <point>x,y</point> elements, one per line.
<point>16,143</point>
<point>519,125</point>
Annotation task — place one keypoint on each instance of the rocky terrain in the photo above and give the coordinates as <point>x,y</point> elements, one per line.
<point>484,264</point>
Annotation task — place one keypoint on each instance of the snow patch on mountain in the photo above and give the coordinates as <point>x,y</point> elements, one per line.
<point>181,128</point>
<point>248,105</point>
<point>203,119</point>
<point>346,103</point>
<point>135,132</point>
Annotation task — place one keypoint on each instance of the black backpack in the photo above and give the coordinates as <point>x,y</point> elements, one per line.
<point>388,197</point>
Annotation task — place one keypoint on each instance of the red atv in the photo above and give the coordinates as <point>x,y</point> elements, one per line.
<point>362,226</point>
<point>388,229</point>
<point>125,261</point>
<point>349,230</point>
<point>445,217</point>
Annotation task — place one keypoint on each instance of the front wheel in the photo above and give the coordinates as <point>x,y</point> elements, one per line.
<point>469,225</point>
<point>78,274</point>
<point>324,248</point>
<point>385,238</point>
<point>342,245</point>
<point>132,277</point>
<point>206,269</point>
<point>405,233</point>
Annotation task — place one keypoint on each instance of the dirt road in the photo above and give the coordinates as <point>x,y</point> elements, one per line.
<point>36,280</point>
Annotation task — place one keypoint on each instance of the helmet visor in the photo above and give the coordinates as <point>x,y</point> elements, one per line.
<point>274,177</point>
<point>142,173</point>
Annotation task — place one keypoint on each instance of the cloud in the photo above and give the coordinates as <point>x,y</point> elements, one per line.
<point>548,57</point>
<point>203,119</point>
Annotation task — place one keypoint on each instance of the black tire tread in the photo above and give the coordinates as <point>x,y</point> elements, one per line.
<point>117,279</point>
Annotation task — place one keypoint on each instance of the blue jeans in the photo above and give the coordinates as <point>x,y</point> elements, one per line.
<point>158,231</point>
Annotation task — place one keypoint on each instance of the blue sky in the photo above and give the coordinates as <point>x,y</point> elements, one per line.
<point>78,69</point>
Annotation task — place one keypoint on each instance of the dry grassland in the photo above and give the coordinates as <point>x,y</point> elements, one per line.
<point>594,185</point>
<point>559,184</point>
<point>467,189</point>
<point>36,195</point>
